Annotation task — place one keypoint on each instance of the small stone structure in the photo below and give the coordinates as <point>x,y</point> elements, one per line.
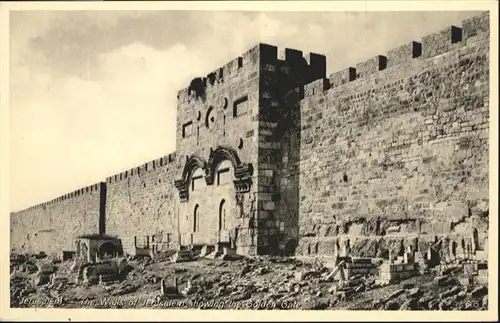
<point>169,287</point>
<point>403,268</point>
<point>93,248</point>
<point>396,272</point>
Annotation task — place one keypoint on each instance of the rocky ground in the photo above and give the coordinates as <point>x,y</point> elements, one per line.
<point>258,283</point>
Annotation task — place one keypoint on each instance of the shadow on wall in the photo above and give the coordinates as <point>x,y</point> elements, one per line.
<point>287,183</point>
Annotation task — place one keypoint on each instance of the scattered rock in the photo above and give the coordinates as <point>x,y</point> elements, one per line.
<point>262,271</point>
<point>446,304</point>
<point>424,301</point>
<point>433,304</point>
<point>395,294</point>
<point>479,291</point>
<point>46,268</point>
<point>461,295</point>
<point>392,306</point>
<point>303,275</point>
<point>408,286</point>
<point>411,304</point>
<point>455,290</point>
<point>485,301</point>
<point>441,280</point>
<point>42,279</point>
<point>246,269</point>
<point>414,292</point>
<point>376,303</point>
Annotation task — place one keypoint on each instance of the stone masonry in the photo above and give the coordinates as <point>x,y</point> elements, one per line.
<point>275,157</point>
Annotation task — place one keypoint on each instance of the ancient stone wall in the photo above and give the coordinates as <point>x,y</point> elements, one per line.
<point>142,202</point>
<point>217,125</point>
<point>275,157</point>
<point>53,226</point>
<point>398,147</point>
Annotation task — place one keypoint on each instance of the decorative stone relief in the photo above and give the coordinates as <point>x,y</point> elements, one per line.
<point>242,172</point>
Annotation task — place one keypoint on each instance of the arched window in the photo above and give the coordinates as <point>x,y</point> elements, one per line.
<point>222,215</point>
<point>196,220</point>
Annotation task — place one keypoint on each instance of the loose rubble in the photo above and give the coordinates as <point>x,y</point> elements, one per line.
<point>218,279</point>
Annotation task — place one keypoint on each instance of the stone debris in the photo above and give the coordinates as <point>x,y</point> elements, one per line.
<point>262,279</point>
<point>42,279</point>
<point>392,306</point>
<point>189,289</point>
<point>409,305</point>
<point>453,291</point>
<point>479,291</point>
<point>182,256</point>
<point>56,280</point>
<point>46,268</point>
<point>414,292</point>
<point>302,275</point>
<point>124,288</point>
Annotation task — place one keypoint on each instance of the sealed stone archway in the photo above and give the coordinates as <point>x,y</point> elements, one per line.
<point>209,192</point>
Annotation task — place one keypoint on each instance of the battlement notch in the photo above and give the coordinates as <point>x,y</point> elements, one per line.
<point>59,199</point>
<point>143,168</point>
<point>430,46</point>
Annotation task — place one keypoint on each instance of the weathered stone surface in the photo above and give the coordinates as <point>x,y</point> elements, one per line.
<point>53,226</point>
<point>395,145</point>
<point>272,156</point>
<point>365,247</point>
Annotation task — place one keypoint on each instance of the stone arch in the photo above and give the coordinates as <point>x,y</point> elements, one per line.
<point>192,164</point>
<point>107,248</point>
<point>222,153</point>
<point>242,172</point>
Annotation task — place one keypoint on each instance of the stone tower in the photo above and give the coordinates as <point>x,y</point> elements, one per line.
<point>229,148</point>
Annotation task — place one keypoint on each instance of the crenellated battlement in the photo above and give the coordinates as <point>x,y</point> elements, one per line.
<point>311,65</point>
<point>144,168</point>
<point>81,191</point>
<point>200,85</point>
<point>430,46</point>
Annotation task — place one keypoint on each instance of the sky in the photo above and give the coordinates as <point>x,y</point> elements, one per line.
<point>93,93</point>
